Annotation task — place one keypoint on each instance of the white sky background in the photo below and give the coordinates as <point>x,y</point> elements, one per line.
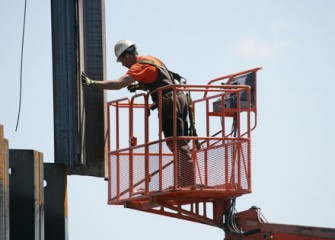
<point>292,147</point>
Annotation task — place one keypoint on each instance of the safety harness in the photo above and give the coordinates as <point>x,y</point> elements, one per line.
<point>170,78</point>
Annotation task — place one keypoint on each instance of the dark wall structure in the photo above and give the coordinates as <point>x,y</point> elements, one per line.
<point>78,43</point>
<point>33,194</point>
<point>26,195</point>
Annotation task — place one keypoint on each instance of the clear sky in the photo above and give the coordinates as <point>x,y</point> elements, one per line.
<point>293,158</point>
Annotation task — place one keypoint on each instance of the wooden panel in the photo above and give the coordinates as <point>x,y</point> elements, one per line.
<point>4,187</point>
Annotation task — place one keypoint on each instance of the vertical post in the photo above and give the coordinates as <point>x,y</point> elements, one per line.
<point>67,128</point>
<point>26,195</point>
<point>220,209</point>
<point>93,55</point>
<point>78,43</point>
<point>55,198</point>
<point>4,187</point>
<point>131,151</point>
<point>249,165</point>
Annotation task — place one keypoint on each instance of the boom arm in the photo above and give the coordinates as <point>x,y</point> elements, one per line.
<point>251,225</point>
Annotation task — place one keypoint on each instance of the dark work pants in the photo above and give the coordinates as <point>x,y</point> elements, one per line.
<point>184,160</point>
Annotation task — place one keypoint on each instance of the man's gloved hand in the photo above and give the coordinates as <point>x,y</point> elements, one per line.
<point>86,81</point>
<point>133,87</point>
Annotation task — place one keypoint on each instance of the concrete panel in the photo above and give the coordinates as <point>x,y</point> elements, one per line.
<point>26,195</point>
<point>55,199</point>
<point>4,187</point>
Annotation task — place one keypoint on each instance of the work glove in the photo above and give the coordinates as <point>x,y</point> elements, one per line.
<point>133,87</point>
<point>86,81</point>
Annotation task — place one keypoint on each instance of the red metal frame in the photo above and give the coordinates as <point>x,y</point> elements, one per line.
<point>251,225</point>
<point>143,174</point>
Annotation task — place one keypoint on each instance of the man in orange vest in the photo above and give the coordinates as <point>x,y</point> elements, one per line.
<point>150,73</point>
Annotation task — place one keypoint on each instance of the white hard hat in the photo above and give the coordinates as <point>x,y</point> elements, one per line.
<point>121,46</point>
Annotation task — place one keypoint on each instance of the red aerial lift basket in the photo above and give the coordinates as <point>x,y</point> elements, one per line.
<point>146,171</point>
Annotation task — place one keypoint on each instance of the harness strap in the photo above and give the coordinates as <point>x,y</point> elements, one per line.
<point>173,74</point>
<point>192,131</point>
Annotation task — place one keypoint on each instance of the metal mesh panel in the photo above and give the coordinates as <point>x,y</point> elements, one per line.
<point>138,171</point>
<point>223,165</point>
<point>168,172</point>
<point>163,162</point>
<point>154,168</point>
<point>220,164</point>
<point>132,183</point>
<point>119,178</point>
<point>124,176</point>
<point>245,168</point>
<point>216,166</point>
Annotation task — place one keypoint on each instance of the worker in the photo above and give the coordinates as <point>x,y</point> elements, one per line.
<point>150,74</point>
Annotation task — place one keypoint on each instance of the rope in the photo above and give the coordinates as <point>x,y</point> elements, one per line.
<point>20,99</point>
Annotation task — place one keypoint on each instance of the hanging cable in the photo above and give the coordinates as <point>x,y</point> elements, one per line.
<point>231,219</point>
<point>24,26</point>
